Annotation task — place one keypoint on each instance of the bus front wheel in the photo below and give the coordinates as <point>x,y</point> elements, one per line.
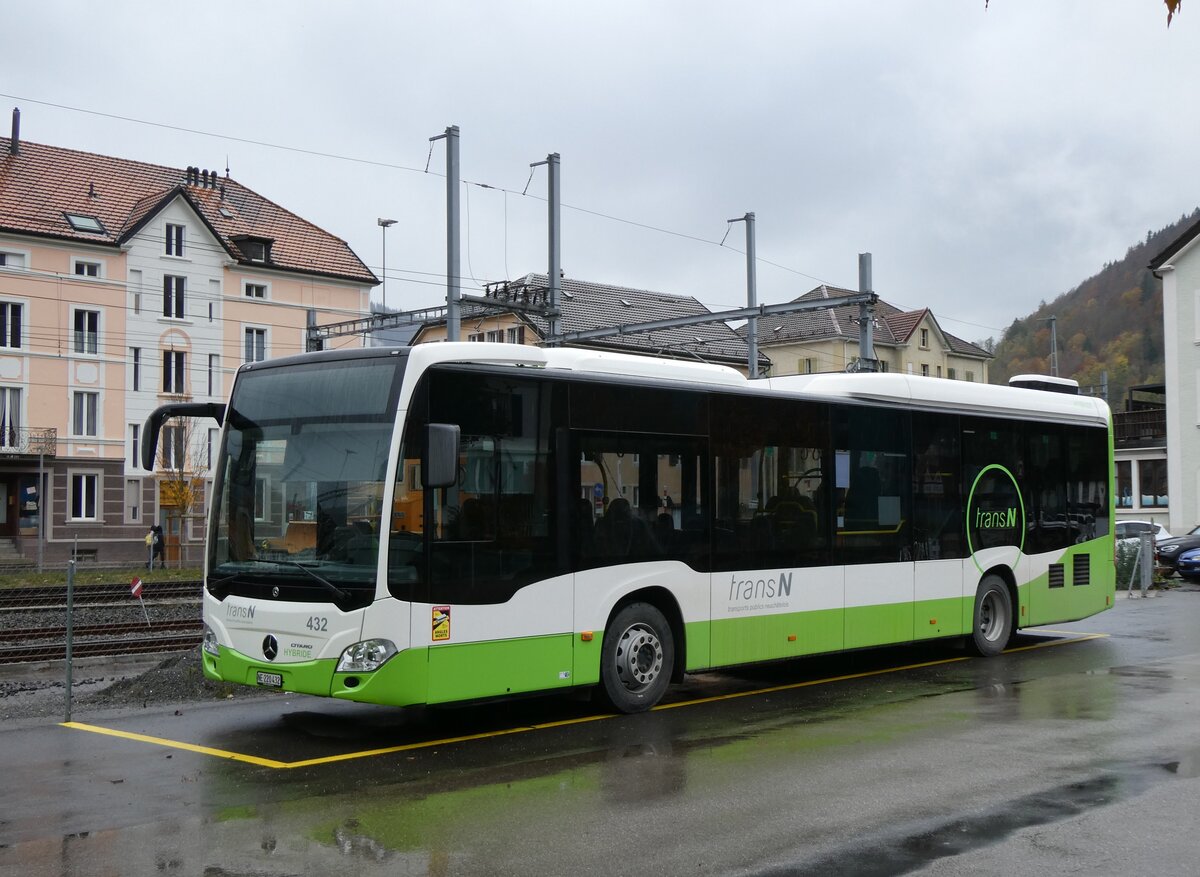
<point>992,625</point>
<point>637,658</point>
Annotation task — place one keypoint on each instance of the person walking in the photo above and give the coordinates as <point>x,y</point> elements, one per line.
<point>159,548</point>
<point>150,547</point>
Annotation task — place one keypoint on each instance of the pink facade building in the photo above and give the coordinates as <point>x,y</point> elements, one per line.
<point>124,285</point>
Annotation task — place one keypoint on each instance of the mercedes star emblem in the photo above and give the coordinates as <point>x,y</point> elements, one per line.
<point>275,591</point>
<point>270,648</point>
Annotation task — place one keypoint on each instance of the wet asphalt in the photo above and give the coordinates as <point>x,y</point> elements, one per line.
<point>1065,754</point>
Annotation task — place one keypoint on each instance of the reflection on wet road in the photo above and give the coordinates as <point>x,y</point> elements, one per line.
<point>774,770</point>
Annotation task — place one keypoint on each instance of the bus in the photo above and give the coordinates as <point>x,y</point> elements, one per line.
<point>459,522</point>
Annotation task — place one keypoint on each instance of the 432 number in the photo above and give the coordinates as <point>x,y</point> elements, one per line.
<point>318,623</point>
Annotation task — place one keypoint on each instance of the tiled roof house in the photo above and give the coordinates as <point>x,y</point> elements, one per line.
<point>905,341</point>
<point>586,305</point>
<point>123,285</point>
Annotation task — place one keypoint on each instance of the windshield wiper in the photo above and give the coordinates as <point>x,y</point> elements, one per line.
<point>328,585</point>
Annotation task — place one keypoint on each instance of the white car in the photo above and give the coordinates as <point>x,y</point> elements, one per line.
<point>1132,530</point>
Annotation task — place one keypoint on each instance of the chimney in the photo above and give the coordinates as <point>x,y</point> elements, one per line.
<point>14,145</point>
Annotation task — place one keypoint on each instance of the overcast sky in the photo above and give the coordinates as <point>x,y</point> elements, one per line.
<point>988,158</point>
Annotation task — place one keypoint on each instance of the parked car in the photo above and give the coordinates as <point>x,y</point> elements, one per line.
<point>1132,530</point>
<point>1188,564</point>
<point>1168,550</point>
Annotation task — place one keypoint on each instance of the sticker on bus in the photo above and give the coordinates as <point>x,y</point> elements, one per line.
<point>441,623</point>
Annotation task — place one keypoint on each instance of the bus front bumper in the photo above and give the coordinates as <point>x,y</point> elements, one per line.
<point>399,682</point>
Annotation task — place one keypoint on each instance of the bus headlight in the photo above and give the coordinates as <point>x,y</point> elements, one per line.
<point>366,656</point>
<point>209,643</point>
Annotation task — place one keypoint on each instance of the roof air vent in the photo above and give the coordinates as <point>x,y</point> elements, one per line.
<point>1048,383</point>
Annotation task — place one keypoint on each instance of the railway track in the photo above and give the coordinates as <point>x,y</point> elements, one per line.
<point>91,648</point>
<point>84,631</point>
<point>107,621</point>
<point>55,596</point>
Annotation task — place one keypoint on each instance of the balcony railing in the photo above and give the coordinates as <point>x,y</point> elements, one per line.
<point>28,440</point>
<point>1140,426</point>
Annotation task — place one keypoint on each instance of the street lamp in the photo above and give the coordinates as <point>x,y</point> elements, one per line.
<point>384,224</point>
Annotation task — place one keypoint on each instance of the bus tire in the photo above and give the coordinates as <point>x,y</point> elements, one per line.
<point>992,620</point>
<point>636,659</point>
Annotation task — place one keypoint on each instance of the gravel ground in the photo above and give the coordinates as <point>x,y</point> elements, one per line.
<point>34,693</point>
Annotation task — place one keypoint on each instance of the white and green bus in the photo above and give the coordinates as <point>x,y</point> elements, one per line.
<point>453,522</point>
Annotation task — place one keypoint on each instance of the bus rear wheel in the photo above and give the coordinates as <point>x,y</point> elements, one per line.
<point>992,624</point>
<point>637,658</point>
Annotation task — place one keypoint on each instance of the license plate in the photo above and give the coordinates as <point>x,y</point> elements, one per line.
<point>270,680</point>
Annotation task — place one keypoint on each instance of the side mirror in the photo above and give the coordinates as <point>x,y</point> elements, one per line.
<point>441,456</point>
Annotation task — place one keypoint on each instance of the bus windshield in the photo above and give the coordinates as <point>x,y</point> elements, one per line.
<point>299,492</point>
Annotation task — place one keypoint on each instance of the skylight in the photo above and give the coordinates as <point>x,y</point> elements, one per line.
<point>89,224</point>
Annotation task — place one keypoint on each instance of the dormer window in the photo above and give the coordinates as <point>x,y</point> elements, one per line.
<point>254,249</point>
<point>88,224</point>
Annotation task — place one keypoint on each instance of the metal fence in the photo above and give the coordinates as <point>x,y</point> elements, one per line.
<point>56,623</point>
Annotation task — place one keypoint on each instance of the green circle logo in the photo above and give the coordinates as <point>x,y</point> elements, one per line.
<point>995,513</point>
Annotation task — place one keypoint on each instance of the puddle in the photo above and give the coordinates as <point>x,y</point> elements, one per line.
<point>896,853</point>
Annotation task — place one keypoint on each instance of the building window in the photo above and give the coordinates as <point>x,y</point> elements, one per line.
<point>516,335</point>
<point>87,331</point>
<point>135,286</point>
<point>970,376</point>
<point>10,325</point>
<point>213,376</point>
<point>135,435</point>
<point>10,417</point>
<point>924,339</point>
<point>1152,483</point>
<point>1124,484</point>
<point>87,269</point>
<point>174,240</point>
<point>256,345</point>
<point>172,448</point>
<point>83,496</point>
<point>255,290</point>
<point>12,260</point>
<point>475,336</point>
<point>135,357</point>
<point>213,437</point>
<point>939,371</point>
<point>133,500</point>
<point>83,421</point>
<point>173,293</point>
<point>174,371</point>
<point>924,369</point>
<point>262,494</point>
<point>950,373</point>
<point>496,335</point>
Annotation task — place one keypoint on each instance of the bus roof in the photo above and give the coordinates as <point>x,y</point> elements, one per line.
<point>939,393</point>
<point>885,388</point>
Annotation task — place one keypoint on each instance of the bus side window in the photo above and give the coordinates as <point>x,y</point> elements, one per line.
<point>871,451</point>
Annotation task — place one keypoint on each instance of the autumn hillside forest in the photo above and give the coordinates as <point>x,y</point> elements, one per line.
<point>1112,322</point>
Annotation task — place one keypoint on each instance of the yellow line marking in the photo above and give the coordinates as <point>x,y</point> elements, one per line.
<point>543,726</point>
<point>176,744</point>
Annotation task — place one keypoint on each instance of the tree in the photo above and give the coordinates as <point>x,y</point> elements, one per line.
<point>182,465</point>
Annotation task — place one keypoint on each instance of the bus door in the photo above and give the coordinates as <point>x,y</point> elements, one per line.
<point>498,620</point>
<point>872,461</point>
<point>638,519</point>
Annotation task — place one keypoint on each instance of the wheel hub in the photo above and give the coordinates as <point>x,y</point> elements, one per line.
<point>639,657</point>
